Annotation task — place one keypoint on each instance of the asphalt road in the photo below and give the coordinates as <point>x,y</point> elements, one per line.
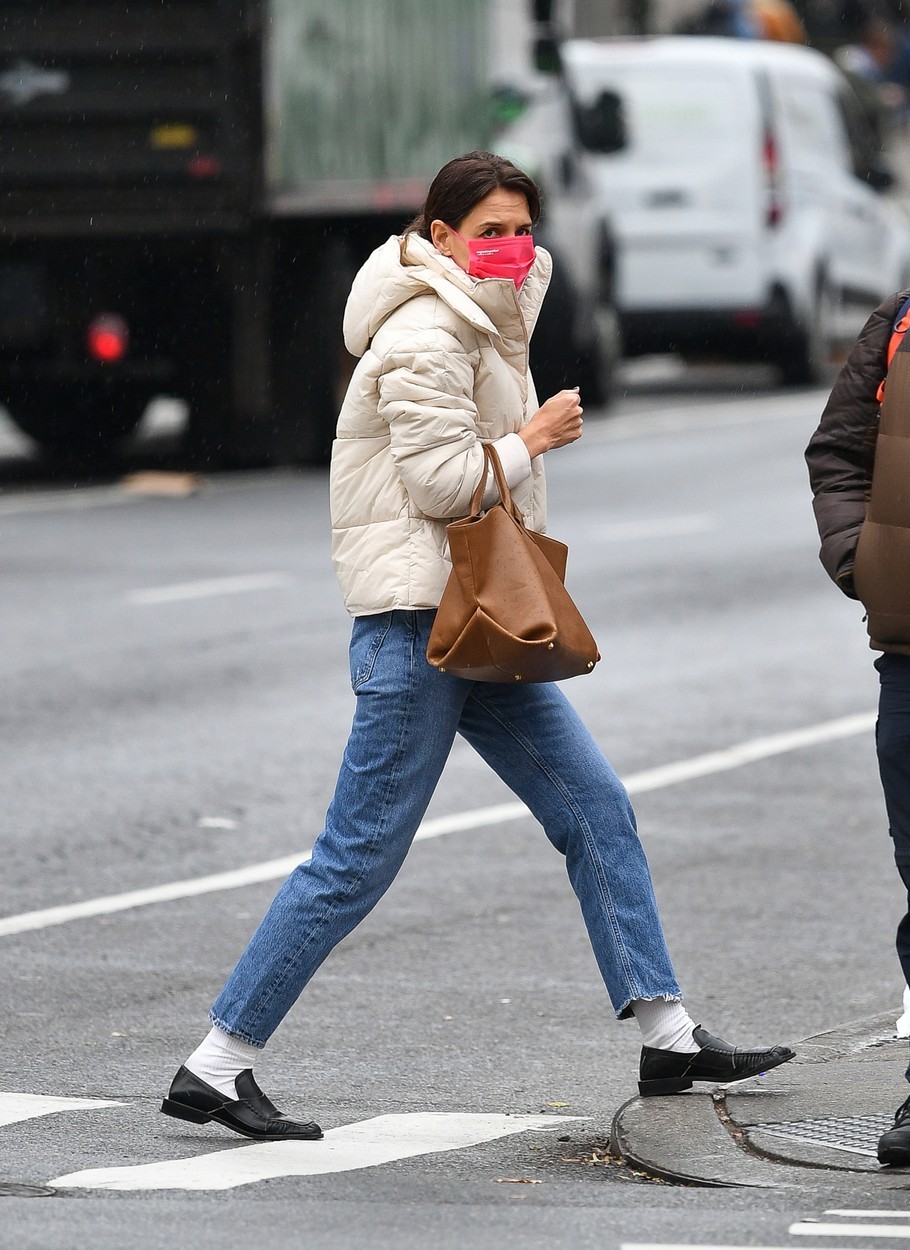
<point>175,701</point>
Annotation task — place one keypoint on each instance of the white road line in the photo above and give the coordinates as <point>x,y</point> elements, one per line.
<point>77,498</point>
<point>210,587</point>
<point>750,752</point>
<point>65,501</point>
<point>870,1215</point>
<point>688,1245</point>
<point>721,414</point>
<point>368,1144</point>
<point>656,527</point>
<point>849,1230</point>
<point>459,822</point>
<point>17,1107</point>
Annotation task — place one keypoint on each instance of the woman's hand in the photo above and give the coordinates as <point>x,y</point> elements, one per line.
<point>554,424</point>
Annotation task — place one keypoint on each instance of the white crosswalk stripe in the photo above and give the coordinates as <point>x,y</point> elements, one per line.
<point>14,1108</point>
<point>367,1144</point>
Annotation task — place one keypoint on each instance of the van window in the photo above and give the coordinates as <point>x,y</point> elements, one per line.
<point>813,124</point>
<point>673,114</point>
<point>861,136</point>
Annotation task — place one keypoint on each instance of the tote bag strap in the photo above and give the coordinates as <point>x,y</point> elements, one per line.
<point>491,461</point>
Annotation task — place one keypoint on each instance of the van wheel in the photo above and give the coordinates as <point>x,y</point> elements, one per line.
<point>312,366</point>
<point>573,346</point>
<point>601,365</point>
<point>805,357</point>
<point>554,358</point>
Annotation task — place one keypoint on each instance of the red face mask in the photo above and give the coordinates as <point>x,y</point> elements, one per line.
<point>511,257</point>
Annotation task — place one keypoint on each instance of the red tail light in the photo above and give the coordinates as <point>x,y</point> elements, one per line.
<point>202,167</point>
<point>774,208</point>
<point>107,338</point>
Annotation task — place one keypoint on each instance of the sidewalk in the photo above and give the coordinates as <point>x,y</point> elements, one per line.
<point>813,1122</point>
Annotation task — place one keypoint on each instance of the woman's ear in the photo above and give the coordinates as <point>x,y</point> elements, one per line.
<point>440,235</point>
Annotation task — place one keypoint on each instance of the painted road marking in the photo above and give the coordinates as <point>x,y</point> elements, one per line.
<point>750,752</point>
<point>708,416</point>
<point>657,527</point>
<point>809,1229</point>
<point>688,1245</point>
<point>480,817</point>
<point>14,1108</point>
<point>81,498</point>
<point>368,1144</point>
<point>60,501</point>
<point>871,1215</point>
<point>209,588</point>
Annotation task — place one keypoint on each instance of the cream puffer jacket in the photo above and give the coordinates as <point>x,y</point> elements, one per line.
<point>443,368</point>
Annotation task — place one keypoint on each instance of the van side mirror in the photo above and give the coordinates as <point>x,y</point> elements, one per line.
<point>601,126</point>
<point>547,58</point>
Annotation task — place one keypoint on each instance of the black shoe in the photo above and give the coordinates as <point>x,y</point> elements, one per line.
<point>250,1114</point>
<point>670,1072</point>
<point>894,1146</point>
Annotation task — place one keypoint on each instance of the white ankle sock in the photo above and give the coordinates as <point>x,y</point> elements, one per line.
<point>665,1025</point>
<point>219,1059</point>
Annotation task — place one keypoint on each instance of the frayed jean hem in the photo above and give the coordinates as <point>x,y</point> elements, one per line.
<point>626,1011</point>
<point>240,1037</point>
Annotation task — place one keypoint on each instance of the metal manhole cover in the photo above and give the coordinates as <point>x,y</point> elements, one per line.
<point>9,1189</point>
<point>858,1134</point>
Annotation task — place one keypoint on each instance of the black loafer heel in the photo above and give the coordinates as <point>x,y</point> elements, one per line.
<point>181,1112</point>
<point>669,1085</point>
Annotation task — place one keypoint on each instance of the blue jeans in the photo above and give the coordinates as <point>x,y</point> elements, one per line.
<point>405,722</point>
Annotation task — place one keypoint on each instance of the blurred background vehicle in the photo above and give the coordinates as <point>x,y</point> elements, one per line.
<point>578,340</point>
<point>748,198</point>
<point>188,187</point>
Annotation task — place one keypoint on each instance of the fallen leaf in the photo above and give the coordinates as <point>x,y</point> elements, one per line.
<point>559,1104</point>
<point>516,1180</point>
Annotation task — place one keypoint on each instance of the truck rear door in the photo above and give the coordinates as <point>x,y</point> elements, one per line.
<point>145,113</point>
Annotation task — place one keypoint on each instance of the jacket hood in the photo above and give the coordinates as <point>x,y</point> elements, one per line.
<point>405,267</point>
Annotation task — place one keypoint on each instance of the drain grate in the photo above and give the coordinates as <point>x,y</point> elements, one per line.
<point>858,1134</point>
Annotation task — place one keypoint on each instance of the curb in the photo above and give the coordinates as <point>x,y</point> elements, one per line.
<point>697,1138</point>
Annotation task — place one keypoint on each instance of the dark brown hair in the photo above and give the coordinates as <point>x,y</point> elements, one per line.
<point>464,182</point>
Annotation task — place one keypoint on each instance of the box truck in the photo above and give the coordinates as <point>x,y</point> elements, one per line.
<point>186,188</point>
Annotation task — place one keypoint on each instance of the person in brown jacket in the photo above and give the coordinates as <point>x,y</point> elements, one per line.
<point>859,468</point>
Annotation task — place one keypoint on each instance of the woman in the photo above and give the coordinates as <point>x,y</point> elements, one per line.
<point>440,319</point>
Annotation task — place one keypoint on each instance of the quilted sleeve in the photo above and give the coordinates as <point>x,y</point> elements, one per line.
<point>840,452</point>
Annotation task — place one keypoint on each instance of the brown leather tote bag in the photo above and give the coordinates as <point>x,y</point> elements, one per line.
<point>505,614</point>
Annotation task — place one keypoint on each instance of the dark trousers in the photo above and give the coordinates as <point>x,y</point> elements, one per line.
<point>892,742</point>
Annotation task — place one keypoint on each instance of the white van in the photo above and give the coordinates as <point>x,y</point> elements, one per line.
<point>578,339</point>
<point>747,200</point>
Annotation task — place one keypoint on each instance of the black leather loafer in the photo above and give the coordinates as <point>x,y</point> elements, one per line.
<point>669,1072</point>
<point>894,1146</point>
<point>251,1114</point>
